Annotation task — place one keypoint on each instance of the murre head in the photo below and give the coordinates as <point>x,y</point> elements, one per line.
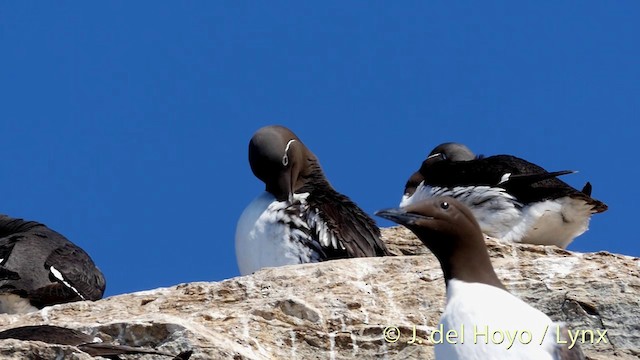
<point>279,158</point>
<point>451,151</point>
<point>451,232</point>
<point>454,151</point>
<point>448,151</point>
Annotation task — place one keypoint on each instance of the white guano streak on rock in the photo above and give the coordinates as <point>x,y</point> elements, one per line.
<point>555,268</point>
<point>270,314</point>
<point>332,345</point>
<point>293,344</point>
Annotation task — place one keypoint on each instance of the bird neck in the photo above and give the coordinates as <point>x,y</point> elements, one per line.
<point>313,177</point>
<point>472,265</point>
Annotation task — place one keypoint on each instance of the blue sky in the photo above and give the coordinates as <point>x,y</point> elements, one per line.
<point>125,124</point>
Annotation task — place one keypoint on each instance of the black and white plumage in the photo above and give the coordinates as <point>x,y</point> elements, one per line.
<point>86,343</point>
<point>512,199</point>
<point>39,267</point>
<point>475,295</point>
<point>300,218</point>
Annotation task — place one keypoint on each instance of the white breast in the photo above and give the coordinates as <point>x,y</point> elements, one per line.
<point>14,304</point>
<point>269,233</point>
<point>479,309</point>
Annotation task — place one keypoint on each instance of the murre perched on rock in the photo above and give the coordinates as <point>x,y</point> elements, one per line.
<point>511,198</point>
<point>86,343</point>
<point>300,218</point>
<point>39,267</point>
<point>477,301</point>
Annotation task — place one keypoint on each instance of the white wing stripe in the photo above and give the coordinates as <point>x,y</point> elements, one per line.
<point>58,275</point>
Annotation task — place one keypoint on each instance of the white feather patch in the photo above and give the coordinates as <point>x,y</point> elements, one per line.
<point>504,178</point>
<point>500,215</point>
<point>276,233</point>
<point>58,275</point>
<point>14,304</point>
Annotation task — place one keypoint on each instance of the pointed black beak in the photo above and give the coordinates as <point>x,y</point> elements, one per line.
<point>398,215</point>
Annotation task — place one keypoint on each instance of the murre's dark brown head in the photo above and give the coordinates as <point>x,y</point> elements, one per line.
<point>452,151</point>
<point>280,160</point>
<point>451,232</point>
<point>448,151</point>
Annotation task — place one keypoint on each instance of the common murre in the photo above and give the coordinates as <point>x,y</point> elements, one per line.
<point>511,198</point>
<point>93,346</point>
<point>300,218</point>
<point>40,267</point>
<point>477,301</point>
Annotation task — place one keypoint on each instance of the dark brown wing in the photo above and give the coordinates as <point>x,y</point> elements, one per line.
<point>65,336</point>
<point>47,333</point>
<point>357,234</point>
<point>78,271</point>
<point>110,350</point>
<point>528,182</point>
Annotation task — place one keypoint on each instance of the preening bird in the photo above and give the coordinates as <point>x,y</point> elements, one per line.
<point>299,218</point>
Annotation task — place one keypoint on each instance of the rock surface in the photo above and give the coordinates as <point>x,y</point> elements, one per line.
<point>340,309</point>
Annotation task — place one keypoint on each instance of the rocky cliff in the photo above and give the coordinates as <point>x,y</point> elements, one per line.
<point>341,309</point>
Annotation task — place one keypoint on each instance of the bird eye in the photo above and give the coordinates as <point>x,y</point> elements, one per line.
<point>444,205</point>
